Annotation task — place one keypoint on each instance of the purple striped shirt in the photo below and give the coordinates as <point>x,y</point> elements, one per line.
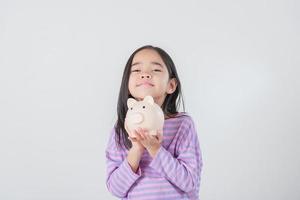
<point>174,173</point>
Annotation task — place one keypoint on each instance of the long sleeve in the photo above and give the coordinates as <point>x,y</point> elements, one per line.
<point>182,170</point>
<point>120,176</point>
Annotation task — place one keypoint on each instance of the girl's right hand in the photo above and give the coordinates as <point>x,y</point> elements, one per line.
<point>136,144</point>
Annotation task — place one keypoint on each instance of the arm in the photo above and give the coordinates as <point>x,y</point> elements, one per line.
<point>184,169</point>
<point>120,175</point>
<point>133,158</point>
<point>135,153</point>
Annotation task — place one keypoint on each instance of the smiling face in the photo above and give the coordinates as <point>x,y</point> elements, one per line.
<point>149,76</point>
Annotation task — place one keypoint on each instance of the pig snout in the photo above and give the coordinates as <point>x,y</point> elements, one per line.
<point>136,118</point>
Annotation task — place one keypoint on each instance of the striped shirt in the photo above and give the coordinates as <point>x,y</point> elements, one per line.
<point>174,172</point>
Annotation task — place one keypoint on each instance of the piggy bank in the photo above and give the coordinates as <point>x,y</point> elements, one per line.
<point>145,114</point>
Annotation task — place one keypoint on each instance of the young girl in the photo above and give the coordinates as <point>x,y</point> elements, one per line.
<point>149,167</point>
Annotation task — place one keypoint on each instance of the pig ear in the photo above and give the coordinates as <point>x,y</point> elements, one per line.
<point>130,102</point>
<point>149,99</point>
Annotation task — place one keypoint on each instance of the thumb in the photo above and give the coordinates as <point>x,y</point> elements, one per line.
<point>132,139</point>
<point>159,134</point>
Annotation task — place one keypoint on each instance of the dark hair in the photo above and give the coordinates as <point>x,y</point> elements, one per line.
<point>171,103</point>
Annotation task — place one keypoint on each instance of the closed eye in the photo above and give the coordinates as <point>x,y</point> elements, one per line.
<point>157,70</point>
<point>136,70</point>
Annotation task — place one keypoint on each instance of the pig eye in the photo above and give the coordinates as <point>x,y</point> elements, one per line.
<point>131,108</point>
<point>143,106</point>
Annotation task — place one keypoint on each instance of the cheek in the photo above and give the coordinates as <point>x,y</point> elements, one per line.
<point>162,86</point>
<point>131,82</point>
<point>164,81</point>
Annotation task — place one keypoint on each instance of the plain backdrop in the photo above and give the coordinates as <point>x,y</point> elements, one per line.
<point>61,64</point>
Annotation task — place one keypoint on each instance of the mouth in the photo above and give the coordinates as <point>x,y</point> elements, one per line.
<point>146,84</point>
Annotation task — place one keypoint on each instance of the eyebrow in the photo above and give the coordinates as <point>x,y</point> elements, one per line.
<point>154,63</point>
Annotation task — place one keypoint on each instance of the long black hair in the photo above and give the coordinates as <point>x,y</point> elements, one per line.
<point>171,103</point>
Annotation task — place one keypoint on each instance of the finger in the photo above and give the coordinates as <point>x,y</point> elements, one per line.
<point>160,139</point>
<point>146,132</point>
<point>142,135</point>
<point>137,135</point>
<point>132,139</point>
<point>151,137</point>
<point>159,135</point>
<point>139,129</point>
<point>159,132</point>
<point>154,137</point>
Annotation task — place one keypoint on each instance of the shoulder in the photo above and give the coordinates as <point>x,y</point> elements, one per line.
<point>183,126</point>
<point>182,122</point>
<point>111,136</point>
<point>112,144</point>
<point>180,118</point>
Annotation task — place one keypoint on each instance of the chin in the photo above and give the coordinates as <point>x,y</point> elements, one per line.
<point>142,96</point>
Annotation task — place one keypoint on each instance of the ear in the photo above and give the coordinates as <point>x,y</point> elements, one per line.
<point>149,99</point>
<point>131,102</point>
<point>172,85</point>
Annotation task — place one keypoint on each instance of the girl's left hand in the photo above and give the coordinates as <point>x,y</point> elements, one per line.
<point>150,142</point>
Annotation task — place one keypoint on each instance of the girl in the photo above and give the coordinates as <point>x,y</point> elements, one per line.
<point>149,167</point>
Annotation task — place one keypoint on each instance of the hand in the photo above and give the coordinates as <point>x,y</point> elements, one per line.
<point>136,145</point>
<point>150,142</point>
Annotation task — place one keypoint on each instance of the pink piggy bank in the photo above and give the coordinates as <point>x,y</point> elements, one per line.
<point>145,114</point>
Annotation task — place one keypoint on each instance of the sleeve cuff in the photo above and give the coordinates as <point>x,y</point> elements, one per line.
<point>133,176</point>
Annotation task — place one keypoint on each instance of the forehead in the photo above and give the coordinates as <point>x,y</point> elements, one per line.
<point>147,55</point>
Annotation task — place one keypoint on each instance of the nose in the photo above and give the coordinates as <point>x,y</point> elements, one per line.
<point>136,118</point>
<point>145,76</point>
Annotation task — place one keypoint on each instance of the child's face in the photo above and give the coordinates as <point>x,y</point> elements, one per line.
<point>149,76</point>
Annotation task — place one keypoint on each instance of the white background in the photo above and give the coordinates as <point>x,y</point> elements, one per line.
<point>60,71</point>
